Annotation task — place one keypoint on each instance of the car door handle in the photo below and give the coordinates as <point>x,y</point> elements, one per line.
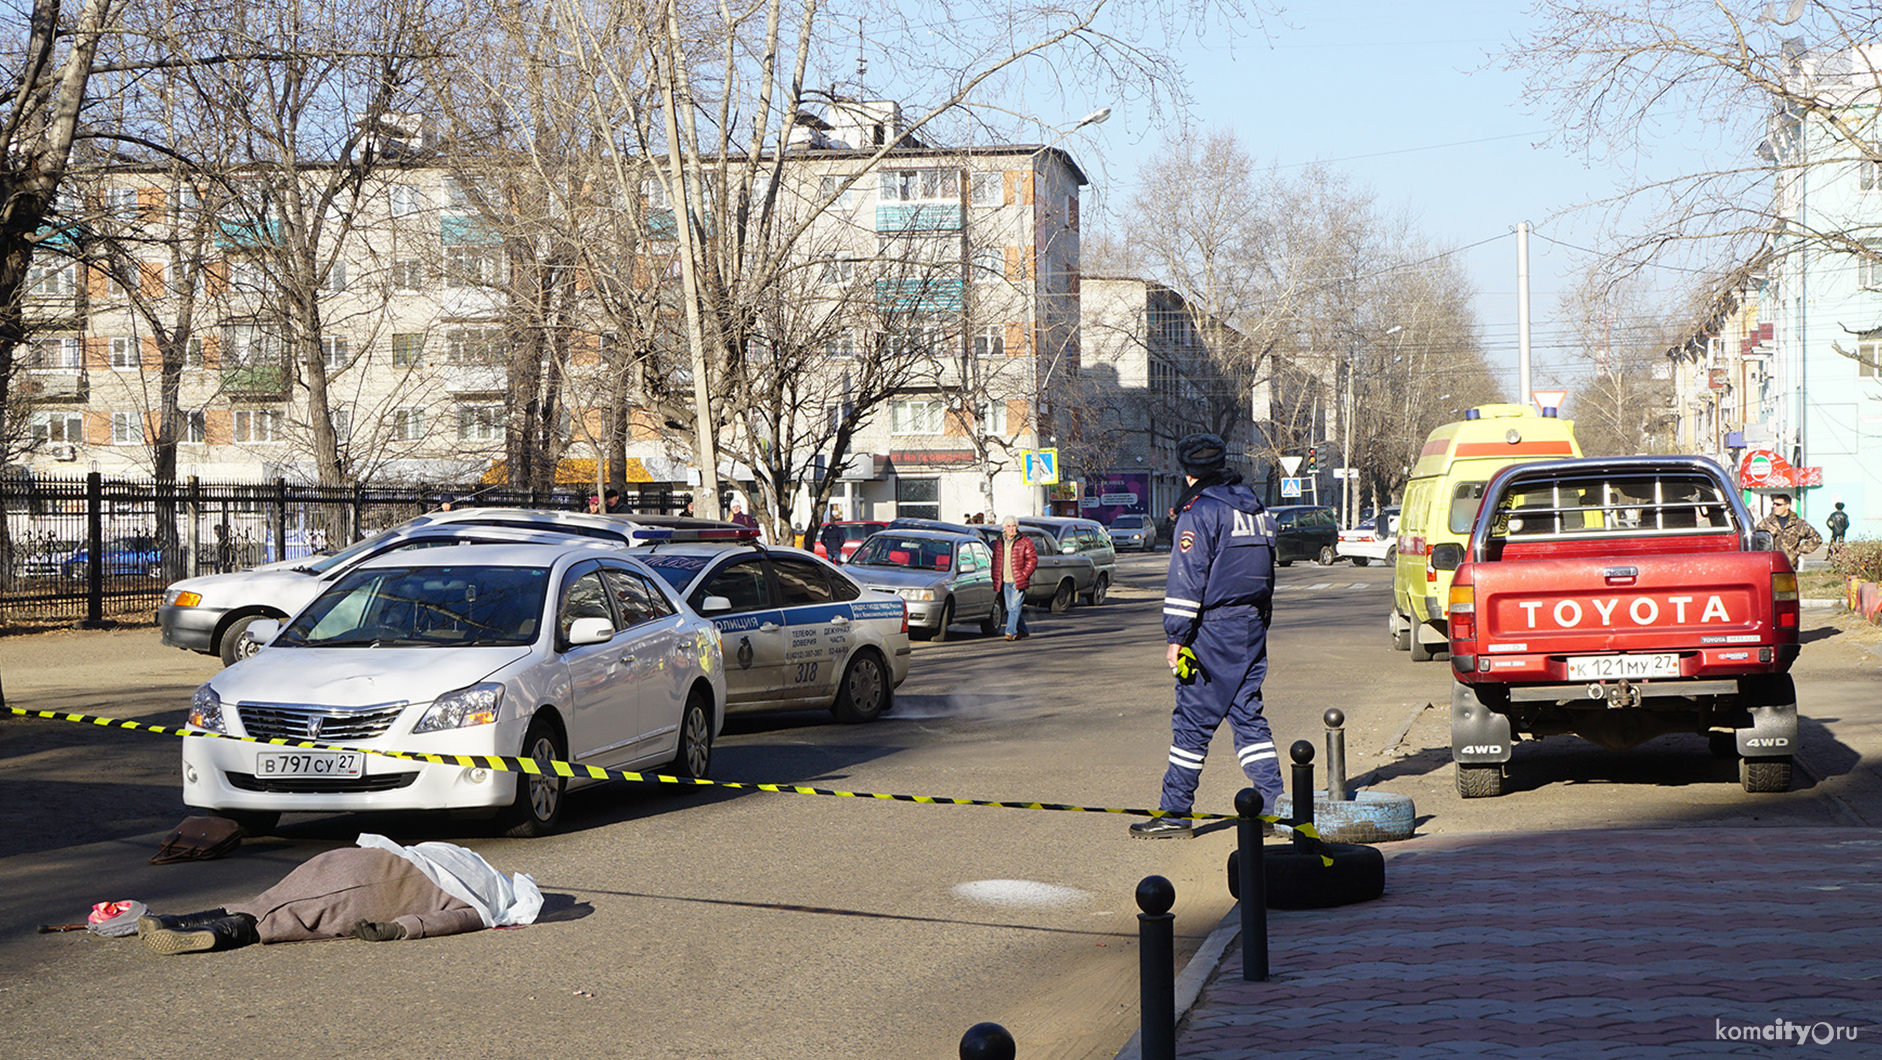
<point>769,627</point>
<point>840,620</point>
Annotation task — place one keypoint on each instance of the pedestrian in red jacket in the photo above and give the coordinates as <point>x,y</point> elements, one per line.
<point>1012,579</point>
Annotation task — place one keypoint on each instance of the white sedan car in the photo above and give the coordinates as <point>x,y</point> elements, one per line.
<point>797,632</point>
<point>569,652</point>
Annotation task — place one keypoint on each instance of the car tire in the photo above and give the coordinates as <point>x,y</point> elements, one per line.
<point>1401,635</point>
<point>539,797</point>
<point>232,647</point>
<point>1391,555</point>
<point>1297,879</point>
<point>995,621</point>
<point>1099,589</point>
<point>255,823</point>
<point>694,757</point>
<point>1326,556</point>
<point>864,693</point>
<point>1063,598</point>
<point>1284,563</point>
<point>940,632</point>
<point>1765,774</point>
<point>1360,561</point>
<point>1480,781</point>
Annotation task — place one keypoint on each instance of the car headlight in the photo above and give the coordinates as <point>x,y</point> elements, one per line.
<point>181,598</point>
<point>476,705</point>
<point>206,711</point>
<point>917,594</point>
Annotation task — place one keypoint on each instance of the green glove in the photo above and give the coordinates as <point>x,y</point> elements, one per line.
<point>1187,669</point>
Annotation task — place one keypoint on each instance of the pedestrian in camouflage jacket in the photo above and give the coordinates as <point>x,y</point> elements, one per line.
<point>1789,533</point>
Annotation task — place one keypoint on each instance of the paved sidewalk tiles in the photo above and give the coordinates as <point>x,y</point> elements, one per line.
<point>1609,945</point>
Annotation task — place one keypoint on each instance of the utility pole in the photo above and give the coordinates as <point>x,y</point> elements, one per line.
<point>1522,312</point>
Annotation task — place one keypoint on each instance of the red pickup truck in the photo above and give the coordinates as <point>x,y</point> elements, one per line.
<point>1620,600</point>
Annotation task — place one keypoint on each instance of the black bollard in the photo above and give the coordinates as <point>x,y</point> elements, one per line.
<point>1336,755</point>
<point>1254,886</point>
<point>1156,967</point>
<point>1302,753</point>
<point>987,1041</point>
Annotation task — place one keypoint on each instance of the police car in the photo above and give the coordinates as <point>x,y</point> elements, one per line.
<point>795,631</point>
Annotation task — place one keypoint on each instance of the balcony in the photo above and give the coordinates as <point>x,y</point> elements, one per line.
<point>255,380</point>
<point>42,386</point>
<point>475,378</point>
<point>922,217</point>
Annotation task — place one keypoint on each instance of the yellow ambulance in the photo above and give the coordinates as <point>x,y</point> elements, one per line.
<point>1441,504</point>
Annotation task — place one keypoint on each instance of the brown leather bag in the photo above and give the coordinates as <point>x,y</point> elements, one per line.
<point>199,839</point>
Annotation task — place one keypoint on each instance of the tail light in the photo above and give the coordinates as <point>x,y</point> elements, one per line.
<point>1784,598</point>
<point>1463,610</point>
<point>904,616</point>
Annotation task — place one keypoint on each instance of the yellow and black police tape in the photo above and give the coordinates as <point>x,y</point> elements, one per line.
<point>535,767</point>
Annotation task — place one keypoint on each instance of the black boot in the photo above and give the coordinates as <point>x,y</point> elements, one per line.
<point>230,932</point>
<point>150,922</point>
<point>1162,828</point>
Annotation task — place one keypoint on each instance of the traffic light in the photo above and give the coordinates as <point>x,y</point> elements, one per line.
<point>1313,458</point>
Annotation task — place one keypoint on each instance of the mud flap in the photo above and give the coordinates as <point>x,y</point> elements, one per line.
<point>1773,732</point>
<point>1479,735</point>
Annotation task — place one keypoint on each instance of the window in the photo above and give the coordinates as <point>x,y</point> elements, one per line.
<point>124,353</point>
<point>479,423</point>
<point>258,425</point>
<point>473,345</point>
<point>124,428</point>
<point>919,498</point>
<point>743,583</point>
<point>915,416</point>
<point>841,344</point>
<point>1464,505</point>
<point>636,600</point>
<point>462,193</point>
<point>65,352</point>
<point>408,349</point>
<point>246,274</point>
<point>408,425</point>
<point>1869,360</point>
<point>990,340</point>
<point>407,199</point>
<point>52,280</point>
<point>828,186</point>
<point>408,275</point>
<point>916,185</point>
<point>336,277</point>
<point>800,582</point>
<point>119,203</point>
<point>986,189</point>
<point>993,419</point>
<point>333,351</point>
<point>195,427</point>
<point>585,598</point>
<point>1869,172</point>
<point>989,264</point>
<point>193,353</point>
<point>185,200</point>
<point>59,427</point>
<point>655,190</point>
<point>1869,266</point>
<point>342,420</point>
<point>472,266</point>
<point>837,271</point>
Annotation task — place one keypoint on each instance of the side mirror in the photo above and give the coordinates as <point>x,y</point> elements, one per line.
<point>1448,556</point>
<point>590,631</point>
<point>713,605</point>
<point>1070,548</point>
<point>1761,541</point>
<point>263,631</point>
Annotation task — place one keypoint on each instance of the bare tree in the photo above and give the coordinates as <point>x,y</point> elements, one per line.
<point>1624,329</point>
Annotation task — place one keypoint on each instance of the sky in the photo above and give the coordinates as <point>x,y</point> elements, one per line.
<point>1409,100</point>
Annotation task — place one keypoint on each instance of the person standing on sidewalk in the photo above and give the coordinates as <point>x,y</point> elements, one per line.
<point>1789,533</point>
<point>1838,524</point>
<point>1216,607</point>
<point>1014,560</point>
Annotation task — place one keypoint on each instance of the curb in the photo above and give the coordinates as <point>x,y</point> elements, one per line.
<point>1195,975</point>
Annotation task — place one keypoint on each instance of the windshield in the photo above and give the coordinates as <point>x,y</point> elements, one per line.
<point>911,553</point>
<point>1128,522</point>
<point>326,563</point>
<point>424,607</point>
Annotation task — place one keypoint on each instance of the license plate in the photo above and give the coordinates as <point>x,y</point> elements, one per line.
<point>310,764</point>
<point>1610,667</point>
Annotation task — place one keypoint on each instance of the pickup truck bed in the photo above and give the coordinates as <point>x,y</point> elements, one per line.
<point>1620,600</point>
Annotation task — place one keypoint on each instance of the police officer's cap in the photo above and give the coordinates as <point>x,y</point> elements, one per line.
<point>1200,454</point>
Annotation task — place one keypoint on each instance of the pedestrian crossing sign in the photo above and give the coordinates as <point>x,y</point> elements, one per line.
<point>1042,466</point>
<point>1290,487</point>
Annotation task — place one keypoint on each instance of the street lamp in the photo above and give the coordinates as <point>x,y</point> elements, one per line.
<point>1347,490</point>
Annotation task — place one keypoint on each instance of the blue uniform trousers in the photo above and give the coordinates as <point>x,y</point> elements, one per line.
<point>1231,646</point>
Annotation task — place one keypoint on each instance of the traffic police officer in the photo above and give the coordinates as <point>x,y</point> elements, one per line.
<point>1215,615</point>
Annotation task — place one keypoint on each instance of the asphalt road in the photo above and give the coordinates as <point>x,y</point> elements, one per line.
<point>689,924</point>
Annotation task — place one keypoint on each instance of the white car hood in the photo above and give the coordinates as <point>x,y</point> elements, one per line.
<point>281,587</point>
<point>358,677</point>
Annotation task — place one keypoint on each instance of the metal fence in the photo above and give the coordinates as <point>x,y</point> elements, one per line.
<point>93,549</point>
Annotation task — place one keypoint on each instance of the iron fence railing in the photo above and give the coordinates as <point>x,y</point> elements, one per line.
<point>89,549</point>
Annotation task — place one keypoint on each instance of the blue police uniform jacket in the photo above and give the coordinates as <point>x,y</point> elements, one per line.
<point>1222,558</point>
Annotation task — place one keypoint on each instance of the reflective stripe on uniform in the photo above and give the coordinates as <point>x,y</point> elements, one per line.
<point>1255,752</point>
<point>1185,759</point>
